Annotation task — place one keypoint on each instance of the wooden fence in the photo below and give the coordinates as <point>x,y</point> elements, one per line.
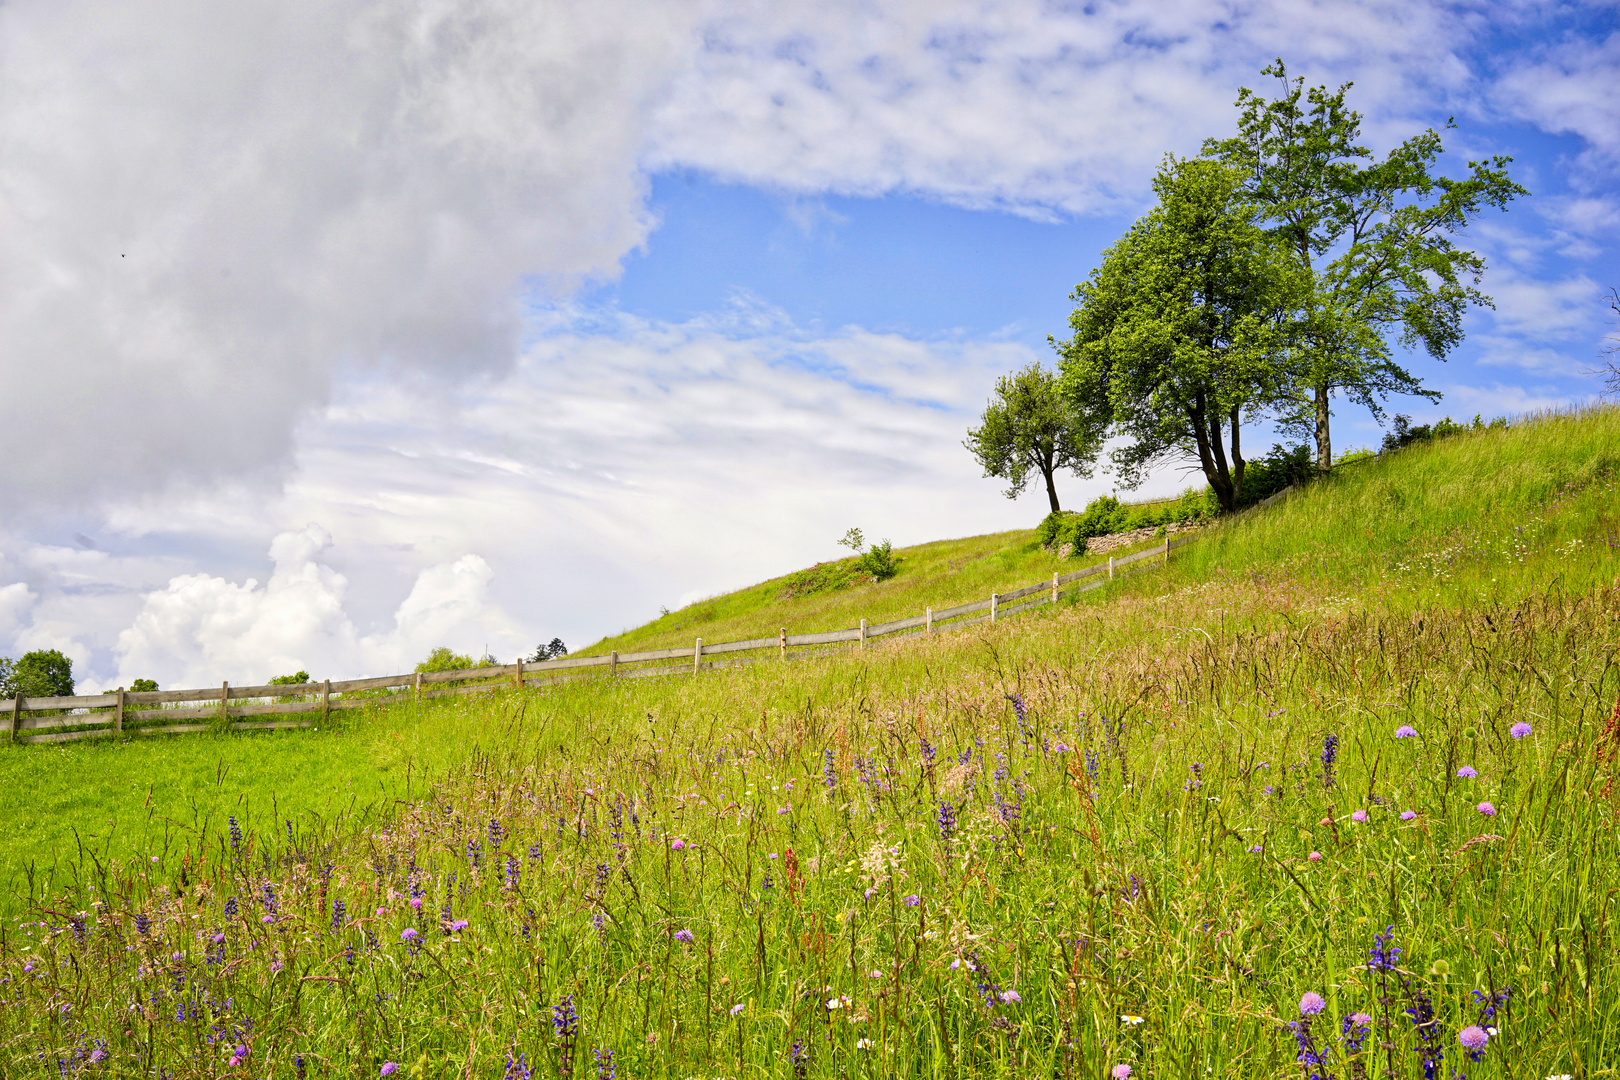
<point>259,708</point>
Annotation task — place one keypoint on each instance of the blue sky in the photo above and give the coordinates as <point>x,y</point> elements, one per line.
<point>357,328</point>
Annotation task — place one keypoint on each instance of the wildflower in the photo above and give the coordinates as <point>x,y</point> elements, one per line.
<point>1405,731</point>
<point>1010,997</point>
<point>1408,815</point>
<point>875,974</point>
<point>863,1044</point>
<point>605,1069</point>
<point>684,935</point>
<point>870,893</point>
<point>1120,1072</point>
<point>1467,772</point>
<point>837,1002</point>
<point>1315,856</point>
<point>739,1007</point>
<point>408,934</point>
<point>1130,1020</point>
<point>1311,1004</point>
<point>389,1068</point>
<point>1257,849</point>
<point>1473,1037</point>
<point>1520,730</point>
<point>1330,755</point>
<point>1359,815</point>
<point>1487,809</point>
<point>677,845</point>
<point>459,924</point>
<point>416,903</point>
<point>912,901</point>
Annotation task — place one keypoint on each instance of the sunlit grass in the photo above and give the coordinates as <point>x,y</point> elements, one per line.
<point>983,854</point>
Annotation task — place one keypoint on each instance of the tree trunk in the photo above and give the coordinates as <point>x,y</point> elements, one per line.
<point>1238,464</point>
<point>1045,459</point>
<point>1206,425</point>
<point>1324,442</point>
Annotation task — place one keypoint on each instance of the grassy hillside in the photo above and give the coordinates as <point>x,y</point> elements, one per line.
<point>1157,828</point>
<point>938,575</point>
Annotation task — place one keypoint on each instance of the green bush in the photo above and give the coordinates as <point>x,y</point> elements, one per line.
<point>297,678</point>
<point>1281,467</point>
<point>442,659</point>
<point>879,562</point>
<point>820,578</point>
<point>1405,434</point>
<point>141,686</point>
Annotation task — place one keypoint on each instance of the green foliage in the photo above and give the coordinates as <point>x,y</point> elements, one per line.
<point>442,659</point>
<point>1405,434</point>
<point>1281,468</point>
<point>142,686</point>
<point>297,678</point>
<point>554,650</point>
<point>1177,333</point>
<point>879,562</point>
<point>1031,425</point>
<point>1388,224</point>
<point>41,673</point>
<point>854,540</point>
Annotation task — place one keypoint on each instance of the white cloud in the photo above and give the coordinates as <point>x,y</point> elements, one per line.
<point>200,629</point>
<point>205,209</point>
<point>1569,88</point>
<point>1029,106</point>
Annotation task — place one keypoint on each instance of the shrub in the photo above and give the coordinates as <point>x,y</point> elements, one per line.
<point>442,659</point>
<point>879,562</point>
<point>143,686</point>
<point>1405,434</point>
<point>297,678</point>
<point>1281,467</point>
<point>555,650</point>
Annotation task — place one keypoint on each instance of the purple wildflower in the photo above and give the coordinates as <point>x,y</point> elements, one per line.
<point>684,935</point>
<point>1520,730</point>
<point>408,934</point>
<point>737,1008</point>
<point>1010,997</point>
<point>1359,815</point>
<point>389,1068</point>
<point>1487,809</point>
<point>1408,815</point>
<point>912,901</point>
<point>1120,1072</point>
<point>1405,731</point>
<point>1473,1037</point>
<point>1466,772</point>
<point>1311,1004</point>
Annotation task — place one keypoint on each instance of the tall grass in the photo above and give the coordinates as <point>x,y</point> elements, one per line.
<point>1158,832</point>
<point>659,854</point>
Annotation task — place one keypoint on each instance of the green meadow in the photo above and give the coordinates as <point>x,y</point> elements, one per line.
<point>1333,793</point>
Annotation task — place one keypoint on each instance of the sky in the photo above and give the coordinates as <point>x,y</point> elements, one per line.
<point>334,331</point>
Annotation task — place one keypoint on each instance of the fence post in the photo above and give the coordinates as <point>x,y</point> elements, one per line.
<point>1110,568</point>
<point>697,655</point>
<point>863,633</point>
<point>118,713</point>
<point>783,640</point>
<point>993,600</point>
<point>1054,586</point>
<point>418,689</point>
<point>225,703</point>
<point>519,676</point>
<point>16,715</point>
<point>326,700</point>
<point>613,663</point>
<point>930,617</point>
<point>1167,548</point>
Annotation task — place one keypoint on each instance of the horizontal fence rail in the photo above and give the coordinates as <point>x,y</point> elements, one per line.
<point>243,708</point>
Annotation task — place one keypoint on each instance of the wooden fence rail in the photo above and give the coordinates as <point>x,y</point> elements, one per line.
<point>164,712</point>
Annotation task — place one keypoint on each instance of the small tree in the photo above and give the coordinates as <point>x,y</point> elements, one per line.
<point>42,673</point>
<point>442,659</point>
<point>297,678</point>
<point>144,686</point>
<point>1029,425</point>
<point>854,540</point>
<point>1610,369</point>
<point>556,650</point>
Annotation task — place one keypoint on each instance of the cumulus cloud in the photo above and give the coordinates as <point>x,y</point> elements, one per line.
<point>206,209</point>
<point>201,628</point>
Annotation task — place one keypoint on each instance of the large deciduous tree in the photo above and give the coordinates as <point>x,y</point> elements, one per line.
<point>1029,425</point>
<point>42,673</point>
<point>1181,334</point>
<point>1374,238</point>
